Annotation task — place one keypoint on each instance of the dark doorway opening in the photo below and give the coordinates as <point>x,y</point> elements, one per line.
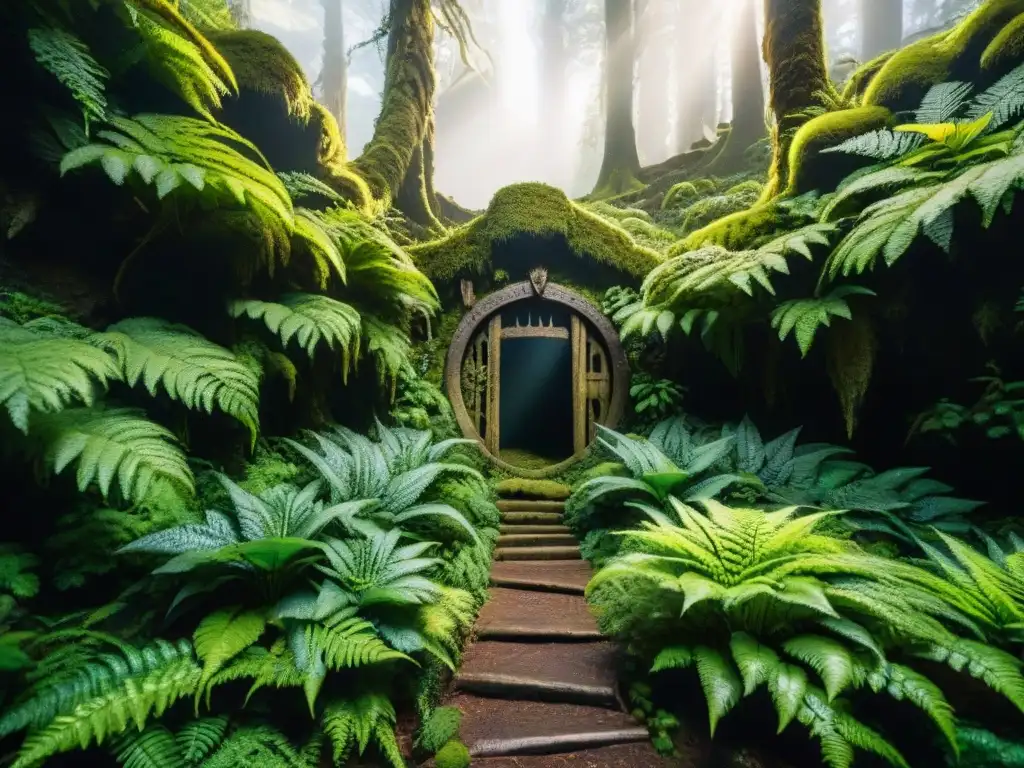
<point>536,400</point>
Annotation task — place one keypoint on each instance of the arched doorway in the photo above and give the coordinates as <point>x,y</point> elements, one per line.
<point>531,371</point>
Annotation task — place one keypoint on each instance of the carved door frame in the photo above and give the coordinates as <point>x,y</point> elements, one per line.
<point>599,366</point>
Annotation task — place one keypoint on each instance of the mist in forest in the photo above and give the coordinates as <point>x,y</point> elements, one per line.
<point>528,101</point>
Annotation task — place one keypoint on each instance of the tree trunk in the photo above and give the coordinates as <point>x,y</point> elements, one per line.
<point>747,90</point>
<point>553,92</point>
<point>398,162</point>
<point>794,49</point>
<point>241,12</point>
<point>695,73</point>
<point>334,77</point>
<point>881,25</point>
<point>652,125</point>
<point>621,162</point>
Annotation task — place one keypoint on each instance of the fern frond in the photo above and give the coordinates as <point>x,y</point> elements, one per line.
<point>179,55</point>
<point>123,691</point>
<point>882,144</point>
<point>221,636</point>
<point>196,372</point>
<point>943,102</point>
<point>69,60</point>
<point>106,444</point>
<point>352,723</point>
<point>45,374</point>
<point>183,154</point>
<point>1004,100</point>
<point>310,319</point>
<point>388,345</point>
<point>805,316</point>
<point>198,738</point>
<point>154,747</point>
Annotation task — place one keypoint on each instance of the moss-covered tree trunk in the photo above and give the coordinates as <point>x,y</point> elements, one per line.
<point>398,163</point>
<point>334,77</point>
<point>621,163</point>
<point>652,124</point>
<point>794,49</point>
<point>881,25</point>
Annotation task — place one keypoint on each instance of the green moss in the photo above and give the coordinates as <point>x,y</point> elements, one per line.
<point>709,209</point>
<point>440,728</point>
<point>823,132</point>
<point>524,488</point>
<point>20,307</point>
<point>955,54</point>
<point>452,755</point>
<point>861,77</point>
<point>534,209</point>
<point>1007,49</point>
<point>736,231</point>
<point>525,460</point>
<point>608,211</point>
<point>262,64</point>
<point>268,469</point>
<point>682,193</point>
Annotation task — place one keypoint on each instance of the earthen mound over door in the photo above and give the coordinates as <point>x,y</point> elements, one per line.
<point>541,366</point>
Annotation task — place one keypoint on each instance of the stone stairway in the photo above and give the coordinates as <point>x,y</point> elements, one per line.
<point>538,688</point>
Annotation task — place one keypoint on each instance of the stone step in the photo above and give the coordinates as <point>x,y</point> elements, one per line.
<point>635,755</point>
<point>536,540</point>
<point>560,672</point>
<point>499,728</point>
<point>517,529</point>
<point>571,576</point>
<point>519,614</point>
<point>530,505</point>
<point>531,518</point>
<point>538,553</point>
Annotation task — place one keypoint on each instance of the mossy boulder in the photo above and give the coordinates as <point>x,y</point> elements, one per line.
<point>539,210</point>
<point>1007,49</point>
<point>955,54</point>
<point>452,755</point>
<point>823,132</point>
<point>262,64</point>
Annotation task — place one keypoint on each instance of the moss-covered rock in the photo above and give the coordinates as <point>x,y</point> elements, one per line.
<point>452,755</point>
<point>262,64</point>
<point>684,192</point>
<point>904,79</point>
<point>827,131</point>
<point>533,209</point>
<point>526,488</point>
<point>1007,49</point>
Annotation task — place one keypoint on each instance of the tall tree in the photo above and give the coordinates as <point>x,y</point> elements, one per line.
<point>241,12</point>
<point>652,124</point>
<point>695,71</point>
<point>621,163</point>
<point>334,74</point>
<point>794,49</point>
<point>554,72</point>
<point>747,89</point>
<point>881,27</point>
<point>398,162</point>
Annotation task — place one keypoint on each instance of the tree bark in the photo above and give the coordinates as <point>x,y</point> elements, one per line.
<point>334,77</point>
<point>621,162</point>
<point>747,90</point>
<point>881,25</point>
<point>652,125</point>
<point>794,49</point>
<point>398,162</point>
